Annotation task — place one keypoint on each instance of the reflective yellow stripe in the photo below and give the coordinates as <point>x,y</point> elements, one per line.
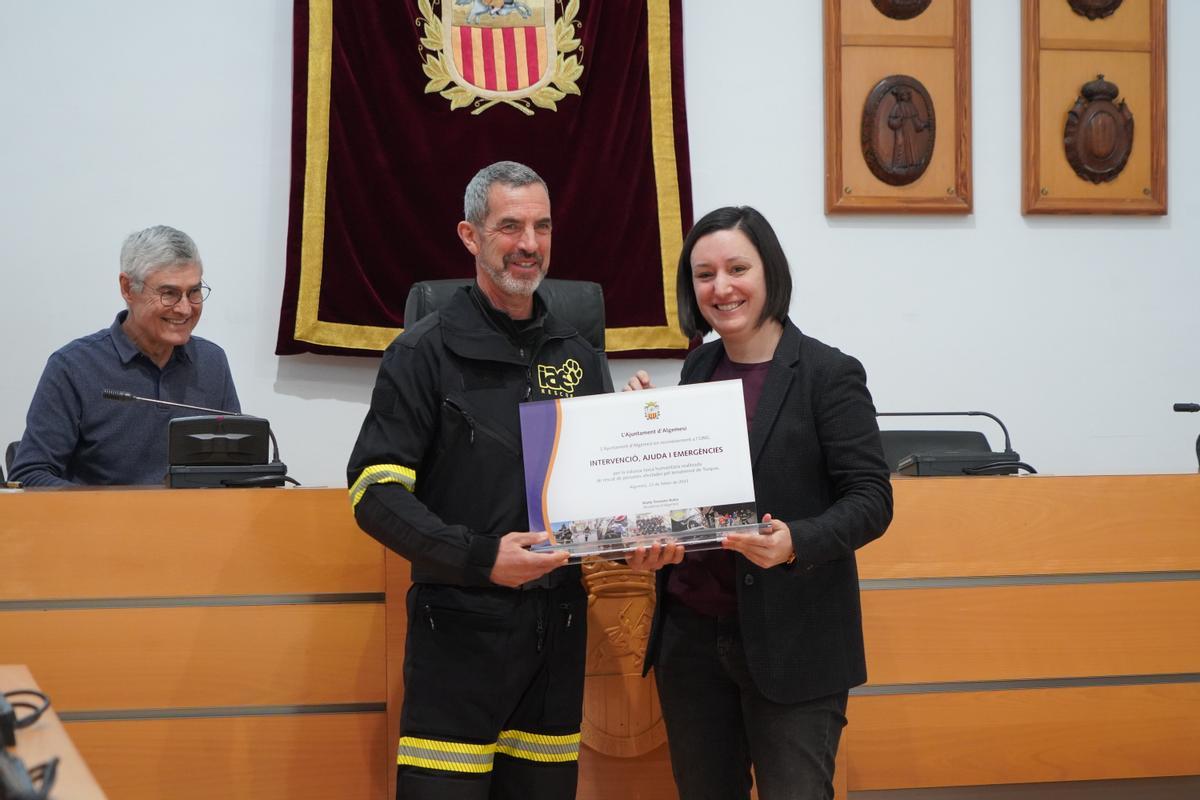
<point>445,766</point>
<point>445,755</point>
<point>539,746</point>
<point>381,473</point>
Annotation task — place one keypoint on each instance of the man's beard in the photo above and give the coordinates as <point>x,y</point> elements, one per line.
<point>510,284</point>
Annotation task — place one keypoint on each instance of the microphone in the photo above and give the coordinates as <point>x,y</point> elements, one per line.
<point>1192,408</point>
<point>958,462</point>
<point>127,397</point>
<point>276,470</point>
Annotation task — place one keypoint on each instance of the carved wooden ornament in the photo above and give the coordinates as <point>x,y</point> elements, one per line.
<point>902,9</point>
<point>898,130</point>
<point>622,717</point>
<point>1099,134</point>
<point>1094,9</point>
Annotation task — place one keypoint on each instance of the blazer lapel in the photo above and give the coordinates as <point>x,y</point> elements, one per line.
<point>775,389</point>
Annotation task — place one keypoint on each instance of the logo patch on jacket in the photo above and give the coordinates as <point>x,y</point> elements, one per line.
<point>560,381</point>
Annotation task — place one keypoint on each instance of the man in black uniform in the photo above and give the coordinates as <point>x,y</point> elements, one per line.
<point>494,660</point>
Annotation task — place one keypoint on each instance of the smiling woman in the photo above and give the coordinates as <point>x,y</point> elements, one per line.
<point>755,646</point>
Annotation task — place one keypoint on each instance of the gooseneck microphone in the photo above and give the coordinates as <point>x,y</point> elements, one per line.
<point>127,397</point>
<point>1191,408</point>
<point>960,462</point>
<point>1007,441</point>
<point>130,397</point>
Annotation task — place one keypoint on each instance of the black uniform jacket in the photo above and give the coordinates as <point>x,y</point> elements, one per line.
<point>818,465</point>
<point>436,474</point>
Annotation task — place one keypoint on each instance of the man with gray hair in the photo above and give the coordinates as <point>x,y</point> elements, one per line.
<point>494,655</point>
<point>75,437</point>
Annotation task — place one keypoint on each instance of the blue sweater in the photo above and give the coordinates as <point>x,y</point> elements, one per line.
<point>73,436</point>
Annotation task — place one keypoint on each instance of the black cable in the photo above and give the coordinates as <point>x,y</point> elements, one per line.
<point>999,468</point>
<point>37,708</point>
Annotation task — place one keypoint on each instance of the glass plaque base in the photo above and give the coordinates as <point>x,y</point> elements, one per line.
<point>617,546</point>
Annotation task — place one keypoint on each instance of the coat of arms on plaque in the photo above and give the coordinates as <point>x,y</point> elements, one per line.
<point>483,53</point>
<point>1098,136</point>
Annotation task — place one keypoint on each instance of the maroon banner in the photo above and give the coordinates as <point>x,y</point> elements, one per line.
<point>397,103</point>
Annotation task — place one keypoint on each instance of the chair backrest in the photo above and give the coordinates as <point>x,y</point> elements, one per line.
<point>10,455</point>
<point>578,303</point>
<point>898,444</point>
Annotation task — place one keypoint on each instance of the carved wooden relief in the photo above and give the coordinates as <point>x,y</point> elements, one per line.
<point>1094,9</point>
<point>621,713</point>
<point>1099,134</point>
<point>903,9</point>
<point>898,130</point>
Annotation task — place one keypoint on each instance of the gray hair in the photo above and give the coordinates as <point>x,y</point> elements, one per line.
<point>507,173</point>
<point>155,248</point>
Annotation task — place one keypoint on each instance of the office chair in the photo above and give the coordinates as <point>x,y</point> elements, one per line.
<point>898,444</point>
<point>580,304</point>
<point>10,455</point>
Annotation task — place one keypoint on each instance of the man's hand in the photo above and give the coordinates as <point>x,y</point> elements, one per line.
<point>654,556</point>
<point>516,565</point>
<point>639,380</point>
<point>764,549</point>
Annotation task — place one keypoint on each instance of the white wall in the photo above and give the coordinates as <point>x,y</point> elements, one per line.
<point>1078,332</point>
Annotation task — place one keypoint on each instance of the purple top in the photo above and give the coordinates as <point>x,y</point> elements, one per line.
<point>704,581</point>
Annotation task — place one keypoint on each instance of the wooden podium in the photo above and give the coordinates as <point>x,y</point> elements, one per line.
<point>247,643</point>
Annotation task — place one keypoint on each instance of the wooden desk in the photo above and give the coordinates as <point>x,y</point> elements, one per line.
<point>46,739</point>
<point>237,643</point>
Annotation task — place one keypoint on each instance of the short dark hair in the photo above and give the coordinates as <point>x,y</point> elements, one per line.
<point>505,173</point>
<point>775,266</point>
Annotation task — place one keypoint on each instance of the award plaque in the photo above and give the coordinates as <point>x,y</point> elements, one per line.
<point>611,473</point>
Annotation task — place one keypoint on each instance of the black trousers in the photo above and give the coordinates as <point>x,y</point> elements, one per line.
<point>718,723</point>
<point>493,692</point>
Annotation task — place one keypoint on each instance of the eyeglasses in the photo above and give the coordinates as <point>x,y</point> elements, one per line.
<point>171,296</point>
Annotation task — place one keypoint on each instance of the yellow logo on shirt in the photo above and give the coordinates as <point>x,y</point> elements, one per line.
<point>560,381</point>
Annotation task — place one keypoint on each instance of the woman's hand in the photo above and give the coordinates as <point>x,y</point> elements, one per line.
<point>639,380</point>
<point>764,549</point>
<point>654,557</point>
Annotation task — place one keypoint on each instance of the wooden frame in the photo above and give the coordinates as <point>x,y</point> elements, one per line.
<point>946,190</point>
<point>1142,186</point>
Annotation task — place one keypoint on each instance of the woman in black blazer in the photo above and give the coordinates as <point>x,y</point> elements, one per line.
<point>755,646</point>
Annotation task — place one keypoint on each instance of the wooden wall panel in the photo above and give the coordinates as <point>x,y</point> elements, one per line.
<point>1063,73</point>
<point>224,656</point>
<point>863,46</point>
<point>1061,51</point>
<point>309,757</point>
<point>1038,525</point>
<point>1017,632</point>
<point>157,542</point>
<point>1092,733</point>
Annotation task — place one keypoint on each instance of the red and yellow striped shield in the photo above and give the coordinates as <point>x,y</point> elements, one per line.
<point>499,48</point>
